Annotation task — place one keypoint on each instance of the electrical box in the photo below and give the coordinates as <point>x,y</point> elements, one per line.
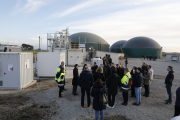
<point>75,56</point>
<point>48,62</point>
<point>16,70</point>
<point>97,60</point>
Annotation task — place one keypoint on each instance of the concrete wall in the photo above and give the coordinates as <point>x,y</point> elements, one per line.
<point>114,56</point>
<point>169,58</point>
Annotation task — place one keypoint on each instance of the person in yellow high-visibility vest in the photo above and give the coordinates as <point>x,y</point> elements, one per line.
<point>60,74</point>
<point>124,87</point>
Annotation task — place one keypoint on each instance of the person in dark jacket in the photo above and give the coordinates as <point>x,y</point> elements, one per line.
<point>112,84</point>
<point>124,86</point>
<point>137,86</point>
<point>104,71</point>
<point>146,79</point>
<point>93,68</point>
<point>96,90</point>
<point>147,57</point>
<point>110,60</point>
<point>177,104</point>
<point>86,81</point>
<point>143,68</point>
<point>60,74</point>
<point>107,60</point>
<point>75,79</point>
<point>133,75</point>
<point>62,66</point>
<point>168,81</point>
<point>118,69</point>
<point>121,72</point>
<point>108,69</point>
<point>112,66</point>
<point>104,60</point>
<point>84,66</point>
<point>99,74</point>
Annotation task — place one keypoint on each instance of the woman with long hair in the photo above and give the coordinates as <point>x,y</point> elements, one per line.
<point>99,74</point>
<point>97,89</point>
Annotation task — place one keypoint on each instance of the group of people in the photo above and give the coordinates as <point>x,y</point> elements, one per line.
<point>109,79</point>
<point>150,57</point>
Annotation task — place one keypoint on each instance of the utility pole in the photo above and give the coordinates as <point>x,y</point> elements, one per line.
<point>39,43</point>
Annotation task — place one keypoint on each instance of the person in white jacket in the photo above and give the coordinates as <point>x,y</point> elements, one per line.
<point>152,72</point>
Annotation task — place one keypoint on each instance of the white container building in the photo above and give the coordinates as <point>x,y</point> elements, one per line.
<point>16,70</point>
<point>48,62</point>
<point>75,56</point>
<point>114,56</point>
<point>98,61</point>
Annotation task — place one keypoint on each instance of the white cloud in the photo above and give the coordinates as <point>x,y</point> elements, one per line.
<point>2,41</point>
<point>30,6</point>
<point>161,23</point>
<point>83,5</point>
<point>33,5</point>
<point>34,38</point>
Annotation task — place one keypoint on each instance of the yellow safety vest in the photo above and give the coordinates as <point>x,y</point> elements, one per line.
<point>59,79</point>
<point>58,70</point>
<point>125,79</point>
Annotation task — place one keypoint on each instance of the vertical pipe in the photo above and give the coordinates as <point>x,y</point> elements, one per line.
<point>39,43</point>
<point>47,42</point>
<point>85,42</point>
<point>79,39</point>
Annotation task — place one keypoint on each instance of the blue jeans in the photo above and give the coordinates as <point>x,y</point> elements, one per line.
<point>150,86</point>
<point>168,87</point>
<point>138,94</point>
<point>97,114</point>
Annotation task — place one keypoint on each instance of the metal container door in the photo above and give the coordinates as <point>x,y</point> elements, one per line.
<point>11,73</point>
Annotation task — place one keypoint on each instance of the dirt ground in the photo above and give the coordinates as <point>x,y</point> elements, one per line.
<point>42,102</point>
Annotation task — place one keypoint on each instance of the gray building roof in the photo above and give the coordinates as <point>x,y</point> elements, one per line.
<point>117,44</point>
<point>90,38</point>
<point>141,42</point>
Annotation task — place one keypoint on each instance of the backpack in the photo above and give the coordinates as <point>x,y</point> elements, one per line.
<point>103,99</point>
<point>130,82</point>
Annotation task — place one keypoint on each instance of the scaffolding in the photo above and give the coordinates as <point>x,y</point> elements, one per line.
<point>58,40</point>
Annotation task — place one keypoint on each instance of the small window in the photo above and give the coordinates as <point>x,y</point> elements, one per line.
<point>1,83</point>
<point>174,58</point>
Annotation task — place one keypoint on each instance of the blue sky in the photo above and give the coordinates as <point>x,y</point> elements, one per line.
<point>23,21</point>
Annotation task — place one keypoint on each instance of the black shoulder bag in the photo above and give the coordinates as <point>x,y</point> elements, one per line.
<point>103,99</point>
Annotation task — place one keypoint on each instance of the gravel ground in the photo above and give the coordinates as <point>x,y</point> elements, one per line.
<point>152,108</point>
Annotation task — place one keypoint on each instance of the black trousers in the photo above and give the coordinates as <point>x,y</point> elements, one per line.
<point>125,97</point>
<point>132,91</point>
<point>64,84</point>
<point>87,90</point>
<point>60,90</point>
<point>177,111</point>
<point>74,89</point>
<point>146,90</point>
<point>111,99</point>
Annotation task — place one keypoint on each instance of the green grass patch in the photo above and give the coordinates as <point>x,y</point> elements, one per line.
<point>35,51</point>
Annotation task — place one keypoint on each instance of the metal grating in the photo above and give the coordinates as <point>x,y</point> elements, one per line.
<point>1,83</point>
